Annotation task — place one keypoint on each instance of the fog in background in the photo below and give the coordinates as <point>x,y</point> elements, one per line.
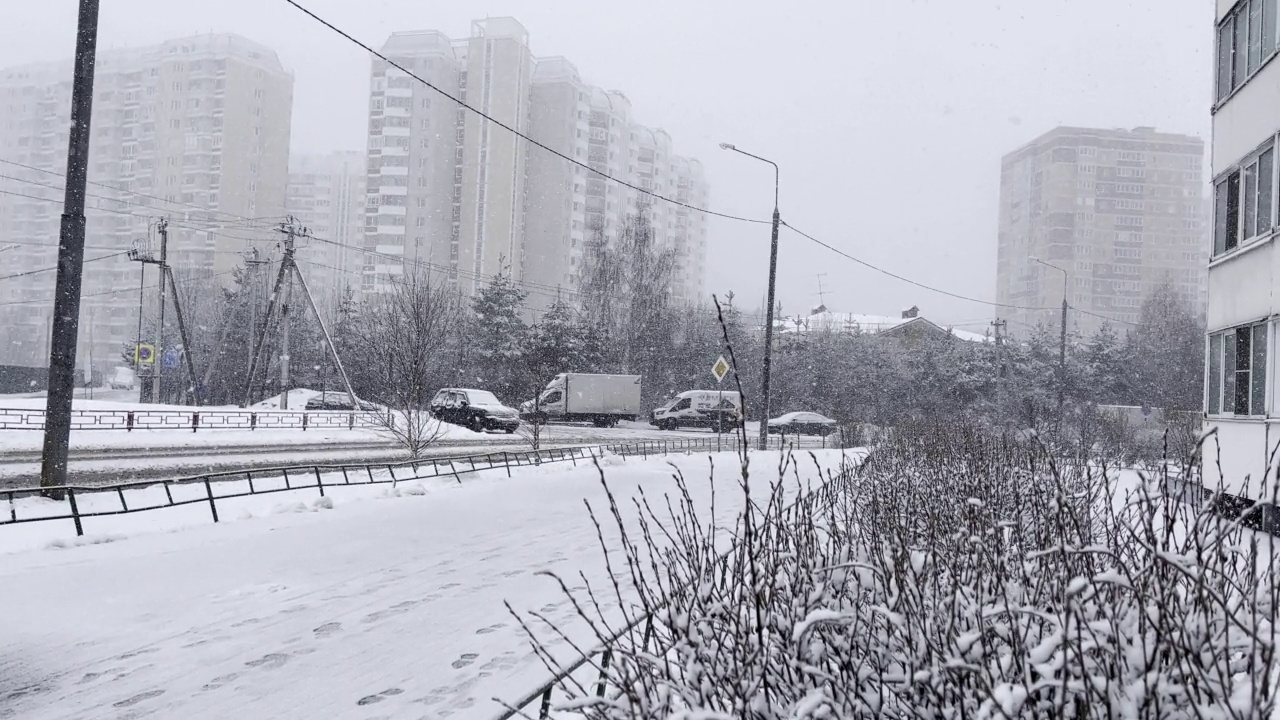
<point>888,119</point>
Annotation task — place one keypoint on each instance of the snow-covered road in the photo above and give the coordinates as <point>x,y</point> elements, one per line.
<point>379,607</point>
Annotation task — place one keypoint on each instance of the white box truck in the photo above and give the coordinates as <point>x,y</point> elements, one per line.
<point>602,400</point>
<point>700,409</point>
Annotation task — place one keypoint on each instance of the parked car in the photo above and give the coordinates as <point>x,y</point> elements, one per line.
<point>802,423</point>
<point>479,410</point>
<point>122,378</point>
<point>334,400</point>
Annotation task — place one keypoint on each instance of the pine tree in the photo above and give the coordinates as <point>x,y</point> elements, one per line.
<point>1103,370</point>
<point>500,336</point>
<point>1165,352</point>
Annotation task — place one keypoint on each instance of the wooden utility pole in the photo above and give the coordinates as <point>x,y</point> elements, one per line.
<point>284,332</point>
<point>66,300</point>
<point>157,385</point>
<point>288,272</point>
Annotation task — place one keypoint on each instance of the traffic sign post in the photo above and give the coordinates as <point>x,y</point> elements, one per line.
<point>720,368</point>
<point>144,354</point>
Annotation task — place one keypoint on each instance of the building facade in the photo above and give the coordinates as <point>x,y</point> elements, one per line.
<point>488,201</point>
<point>1244,265</point>
<point>195,130</point>
<point>1119,212</point>
<point>326,194</point>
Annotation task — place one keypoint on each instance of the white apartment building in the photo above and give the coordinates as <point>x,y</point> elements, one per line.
<point>194,129</point>
<point>501,203</point>
<point>327,194</point>
<point>1119,212</point>
<point>1244,269</point>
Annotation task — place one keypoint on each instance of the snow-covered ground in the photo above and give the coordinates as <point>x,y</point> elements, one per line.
<point>384,605</point>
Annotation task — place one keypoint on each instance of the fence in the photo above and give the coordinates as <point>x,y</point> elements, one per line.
<point>228,485</point>
<point>194,420</point>
<point>542,695</point>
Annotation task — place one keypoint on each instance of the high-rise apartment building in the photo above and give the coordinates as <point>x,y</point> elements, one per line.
<point>195,130</point>
<point>326,195</point>
<point>1119,212</point>
<point>1243,261</point>
<point>502,203</point>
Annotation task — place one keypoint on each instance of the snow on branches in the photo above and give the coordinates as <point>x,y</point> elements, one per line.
<point>955,574</point>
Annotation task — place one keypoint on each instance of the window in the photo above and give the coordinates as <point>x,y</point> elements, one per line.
<point>1238,371</point>
<point>1246,40</point>
<point>1244,202</point>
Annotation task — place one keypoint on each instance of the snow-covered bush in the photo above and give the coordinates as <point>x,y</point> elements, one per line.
<point>955,574</point>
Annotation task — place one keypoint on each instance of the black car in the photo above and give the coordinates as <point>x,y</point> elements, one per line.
<point>479,410</point>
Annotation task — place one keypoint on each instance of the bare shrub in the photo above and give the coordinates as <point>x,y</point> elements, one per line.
<point>405,335</point>
<point>956,574</point>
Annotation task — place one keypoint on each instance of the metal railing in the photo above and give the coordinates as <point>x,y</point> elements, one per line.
<point>542,695</point>
<point>194,420</point>
<point>211,488</point>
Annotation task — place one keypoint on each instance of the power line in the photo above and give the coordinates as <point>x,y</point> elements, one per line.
<point>54,246</point>
<point>512,130</point>
<point>1104,317</point>
<point>907,280</point>
<point>175,223</point>
<point>131,192</point>
<point>112,292</point>
<point>939,290</point>
<point>55,267</point>
<point>420,264</point>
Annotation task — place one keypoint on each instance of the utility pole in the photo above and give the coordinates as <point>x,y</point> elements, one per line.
<point>66,303</point>
<point>157,387</point>
<point>1000,325</point>
<point>766,365</point>
<point>1062,351</point>
<point>284,331</point>
<point>288,271</point>
<point>188,350</point>
<point>1062,339</point>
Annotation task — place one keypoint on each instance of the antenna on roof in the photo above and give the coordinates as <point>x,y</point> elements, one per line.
<point>822,293</point>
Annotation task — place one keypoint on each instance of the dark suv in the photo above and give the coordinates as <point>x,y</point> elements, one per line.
<point>479,410</point>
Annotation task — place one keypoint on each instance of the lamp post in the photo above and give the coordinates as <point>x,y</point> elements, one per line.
<point>768,322</point>
<point>1062,335</point>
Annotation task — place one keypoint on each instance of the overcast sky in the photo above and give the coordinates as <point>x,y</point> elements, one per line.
<point>887,118</point>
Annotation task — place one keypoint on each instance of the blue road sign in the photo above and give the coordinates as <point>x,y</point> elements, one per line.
<point>170,358</point>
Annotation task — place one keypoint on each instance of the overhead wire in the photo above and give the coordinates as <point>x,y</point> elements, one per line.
<point>120,291</point>
<point>55,267</point>
<point>131,192</point>
<point>175,223</point>
<point>644,191</point>
<point>940,291</point>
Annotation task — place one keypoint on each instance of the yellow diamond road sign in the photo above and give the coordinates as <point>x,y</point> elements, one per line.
<point>720,368</point>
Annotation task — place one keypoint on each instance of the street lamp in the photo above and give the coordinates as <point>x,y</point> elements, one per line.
<point>1062,337</point>
<point>773,276</point>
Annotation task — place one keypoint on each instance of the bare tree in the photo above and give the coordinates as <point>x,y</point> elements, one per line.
<point>404,337</point>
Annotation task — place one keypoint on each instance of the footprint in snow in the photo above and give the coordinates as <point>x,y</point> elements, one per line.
<point>379,697</point>
<point>328,629</point>
<point>140,697</point>
<point>219,681</point>
<point>465,660</point>
<point>270,661</point>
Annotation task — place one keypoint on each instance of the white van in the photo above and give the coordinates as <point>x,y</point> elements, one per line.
<point>699,408</point>
<point>122,378</point>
